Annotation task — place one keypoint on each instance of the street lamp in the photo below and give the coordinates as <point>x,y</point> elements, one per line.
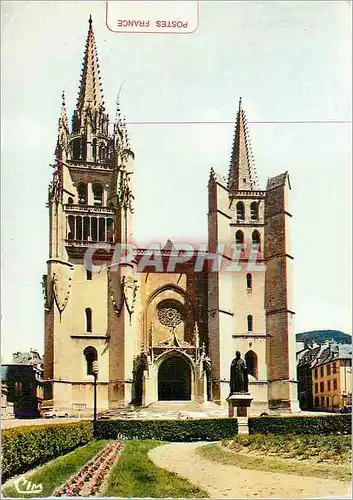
<point>95,370</point>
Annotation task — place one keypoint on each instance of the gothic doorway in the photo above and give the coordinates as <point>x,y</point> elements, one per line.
<point>174,380</point>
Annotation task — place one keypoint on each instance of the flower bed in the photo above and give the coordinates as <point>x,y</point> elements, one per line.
<point>88,481</point>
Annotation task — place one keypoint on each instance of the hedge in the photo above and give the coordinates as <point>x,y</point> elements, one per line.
<point>328,424</point>
<point>211,429</point>
<point>26,447</point>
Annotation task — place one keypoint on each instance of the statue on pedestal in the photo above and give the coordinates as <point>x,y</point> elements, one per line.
<point>239,382</point>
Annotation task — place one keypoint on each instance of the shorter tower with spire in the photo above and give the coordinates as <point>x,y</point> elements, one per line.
<point>250,309</point>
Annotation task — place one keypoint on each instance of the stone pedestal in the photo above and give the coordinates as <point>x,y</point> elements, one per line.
<point>241,402</point>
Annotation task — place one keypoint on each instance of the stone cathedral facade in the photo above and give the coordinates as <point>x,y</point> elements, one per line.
<point>161,333</point>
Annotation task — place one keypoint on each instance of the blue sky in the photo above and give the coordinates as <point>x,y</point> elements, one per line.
<point>290,61</point>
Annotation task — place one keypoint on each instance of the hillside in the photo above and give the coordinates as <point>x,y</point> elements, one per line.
<point>320,336</point>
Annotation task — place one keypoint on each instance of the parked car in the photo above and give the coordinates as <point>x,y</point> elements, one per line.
<point>54,413</point>
<point>346,409</point>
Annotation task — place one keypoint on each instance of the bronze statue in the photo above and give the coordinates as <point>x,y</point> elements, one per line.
<point>239,382</point>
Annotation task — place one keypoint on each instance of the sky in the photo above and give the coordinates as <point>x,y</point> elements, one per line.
<point>290,62</point>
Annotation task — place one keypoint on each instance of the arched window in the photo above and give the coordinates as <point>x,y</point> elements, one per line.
<point>71,227</point>
<point>88,312</point>
<point>250,323</point>
<point>249,281</point>
<point>240,211</point>
<point>82,193</point>
<point>70,200</point>
<point>239,237</point>
<point>251,363</point>
<point>97,195</point>
<point>317,401</point>
<point>254,211</point>
<point>256,240</point>
<point>90,353</point>
<point>322,402</point>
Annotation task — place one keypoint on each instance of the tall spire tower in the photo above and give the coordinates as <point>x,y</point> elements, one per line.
<point>90,206</point>
<point>242,174</point>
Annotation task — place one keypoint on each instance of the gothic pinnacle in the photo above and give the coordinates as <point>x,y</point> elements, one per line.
<point>63,120</point>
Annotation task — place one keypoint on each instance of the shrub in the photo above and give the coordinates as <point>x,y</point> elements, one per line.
<point>213,429</point>
<point>305,446</point>
<point>328,424</point>
<point>26,447</point>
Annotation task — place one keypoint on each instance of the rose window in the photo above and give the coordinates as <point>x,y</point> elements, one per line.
<point>170,313</point>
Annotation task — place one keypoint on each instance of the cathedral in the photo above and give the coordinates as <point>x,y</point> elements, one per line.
<point>166,332</point>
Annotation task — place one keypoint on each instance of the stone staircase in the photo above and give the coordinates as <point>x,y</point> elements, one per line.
<point>168,410</point>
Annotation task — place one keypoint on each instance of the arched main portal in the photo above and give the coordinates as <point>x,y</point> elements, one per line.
<point>174,380</point>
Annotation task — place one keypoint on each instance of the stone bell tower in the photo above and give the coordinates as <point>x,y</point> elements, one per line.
<point>89,212</point>
<point>249,303</point>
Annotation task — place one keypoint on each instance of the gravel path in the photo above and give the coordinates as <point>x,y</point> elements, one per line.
<point>228,481</point>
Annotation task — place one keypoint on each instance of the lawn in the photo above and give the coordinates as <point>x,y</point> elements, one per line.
<point>315,456</point>
<point>56,472</point>
<point>134,475</point>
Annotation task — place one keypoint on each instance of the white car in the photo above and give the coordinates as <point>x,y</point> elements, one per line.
<point>54,413</point>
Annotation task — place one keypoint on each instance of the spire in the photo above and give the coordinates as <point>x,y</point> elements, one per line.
<point>242,173</point>
<point>90,93</point>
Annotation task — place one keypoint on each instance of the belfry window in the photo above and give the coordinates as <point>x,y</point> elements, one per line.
<point>88,320</point>
<point>101,229</point>
<point>76,149</point>
<point>249,281</point>
<point>256,240</point>
<point>94,149</point>
<point>239,237</point>
<point>78,228</point>
<point>82,193</point>
<point>86,224</point>
<point>102,153</point>
<point>97,195</point>
<point>71,227</point>
<point>90,353</point>
<point>240,211</point>
<point>94,228</point>
<point>110,230</point>
<point>250,323</point>
<point>254,211</point>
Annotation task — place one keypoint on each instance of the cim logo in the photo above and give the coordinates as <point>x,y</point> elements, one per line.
<point>25,486</point>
